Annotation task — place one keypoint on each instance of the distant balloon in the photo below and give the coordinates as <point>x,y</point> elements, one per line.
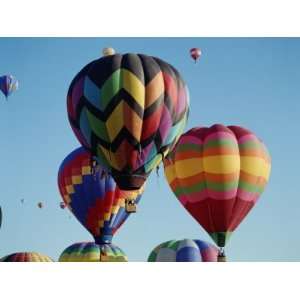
<point>8,84</point>
<point>195,53</point>
<point>218,174</point>
<point>62,205</point>
<point>26,257</point>
<point>184,251</point>
<point>108,51</point>
<point>93,196</point>
<point>22,201</point>
<point>91,252</point>
<point>40,205</point>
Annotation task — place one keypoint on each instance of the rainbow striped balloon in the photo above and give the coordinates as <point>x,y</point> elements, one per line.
<point>92,252</point>
<point>218,174</point>
<point>26,257</point>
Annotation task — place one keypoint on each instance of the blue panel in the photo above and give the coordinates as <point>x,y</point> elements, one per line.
<point>188,254</point>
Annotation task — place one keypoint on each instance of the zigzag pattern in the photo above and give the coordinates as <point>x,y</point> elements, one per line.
<point>129,109</point>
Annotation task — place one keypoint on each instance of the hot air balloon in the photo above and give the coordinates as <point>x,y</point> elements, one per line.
<point>195,53</point>
<point>218,174</point>
<point>62,205</point>
<point>108,51</point>
<point>186,250</point>
<point>40,205</point>
<point>92,252</point>
<point>8,84</point>
<point>26,257</point>
<point>94,198</point>
<point>129,111</point>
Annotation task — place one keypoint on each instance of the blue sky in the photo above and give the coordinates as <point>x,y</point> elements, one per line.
<point>238,81</point>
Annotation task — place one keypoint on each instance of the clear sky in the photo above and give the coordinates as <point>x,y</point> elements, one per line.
<point>253,83</point>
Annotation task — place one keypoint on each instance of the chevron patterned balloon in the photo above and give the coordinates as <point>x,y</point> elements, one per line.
<point>91,252</point>
<point>218,174</point>
<point>186,250</point>
<point>129,111</point>
<point>26,257</point>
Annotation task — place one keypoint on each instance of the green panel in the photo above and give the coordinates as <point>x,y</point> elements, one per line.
<point>110,88</point>
<point>97,126</point>
<point>221,238</point>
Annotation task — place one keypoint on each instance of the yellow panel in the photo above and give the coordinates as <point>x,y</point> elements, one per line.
<point>76,179</point>
<point>70,189</point>
<point>221,164</point>
<point>110,157</point>
<point>255,166</point>
<point>133,86</point>
<point>188,167</point>
<point>170,173</point>
<point>115,122</point>
<point>154,89</point>
<point>134,123</point>
<point>86,170</point>
<point>115,209</point>
<point>90,257</point>
<point>106,216</point>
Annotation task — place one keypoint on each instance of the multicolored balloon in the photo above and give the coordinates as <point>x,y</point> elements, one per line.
<point>8,84</point>
<point>195,54</point>
<point>94,198</point>
<point>186,250</point>
<point>129,111</point>
<point>26,257</point>
<point>218,174</point>
<point>92,252</point>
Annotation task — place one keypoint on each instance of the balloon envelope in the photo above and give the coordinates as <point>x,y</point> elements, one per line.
<point>129,111</point>
<point>186,250</point>
<point>108,51</point>
<point>8,84</point>
<point>94,199</point>
<point>195,53</point>
<point>218,174</point>
<point>91,252</point>
<point>26,257</point>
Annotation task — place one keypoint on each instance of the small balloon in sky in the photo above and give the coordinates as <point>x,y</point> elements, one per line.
<point>108,51</point>
<point>195,53</point>
<point>8,84</point>
<point>62,205</point>
<point>40,205</point>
